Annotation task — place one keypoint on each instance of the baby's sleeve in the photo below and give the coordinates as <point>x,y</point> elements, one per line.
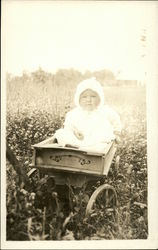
<point>68,124</point>
<point>114,119</point>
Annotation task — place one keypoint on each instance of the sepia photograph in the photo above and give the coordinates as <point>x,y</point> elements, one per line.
<point>78,124</point>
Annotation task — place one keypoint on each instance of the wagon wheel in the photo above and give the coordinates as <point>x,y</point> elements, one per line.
<point>35,176</point>
<point>103,199</point>
<point>34,173</point>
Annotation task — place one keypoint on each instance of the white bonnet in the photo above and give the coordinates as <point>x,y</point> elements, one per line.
<point>92,84</point>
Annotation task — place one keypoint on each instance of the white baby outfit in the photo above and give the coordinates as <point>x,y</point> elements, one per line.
<point>97,126</point>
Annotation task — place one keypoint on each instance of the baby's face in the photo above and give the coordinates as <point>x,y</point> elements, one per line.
<point>89,100</point>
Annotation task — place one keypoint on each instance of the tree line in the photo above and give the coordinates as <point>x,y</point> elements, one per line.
<point>62,76</point>
<point>68,77</point>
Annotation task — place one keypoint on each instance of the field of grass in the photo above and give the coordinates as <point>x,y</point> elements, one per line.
<point>34,112</point>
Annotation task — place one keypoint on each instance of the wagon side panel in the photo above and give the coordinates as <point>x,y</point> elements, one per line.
<point>69,160</point>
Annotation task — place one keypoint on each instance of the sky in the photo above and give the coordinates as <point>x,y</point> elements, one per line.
<point>90,35</point>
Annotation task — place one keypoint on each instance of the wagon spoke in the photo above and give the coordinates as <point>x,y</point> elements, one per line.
<point>103,198</point>
<point>106,198</point>
<point>112,199</point>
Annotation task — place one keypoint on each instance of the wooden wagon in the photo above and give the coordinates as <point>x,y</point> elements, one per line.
<point>76,167</point>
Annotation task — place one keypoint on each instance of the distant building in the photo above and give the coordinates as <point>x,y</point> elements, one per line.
<point>122,79</point>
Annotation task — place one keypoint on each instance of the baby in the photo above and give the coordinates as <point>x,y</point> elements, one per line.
<point>91,124</point>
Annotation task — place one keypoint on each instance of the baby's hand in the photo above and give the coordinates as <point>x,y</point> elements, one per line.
<point>78,134</point>
<point>117,137</point>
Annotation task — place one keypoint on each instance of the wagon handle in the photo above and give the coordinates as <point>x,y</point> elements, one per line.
<point>23,178</point>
